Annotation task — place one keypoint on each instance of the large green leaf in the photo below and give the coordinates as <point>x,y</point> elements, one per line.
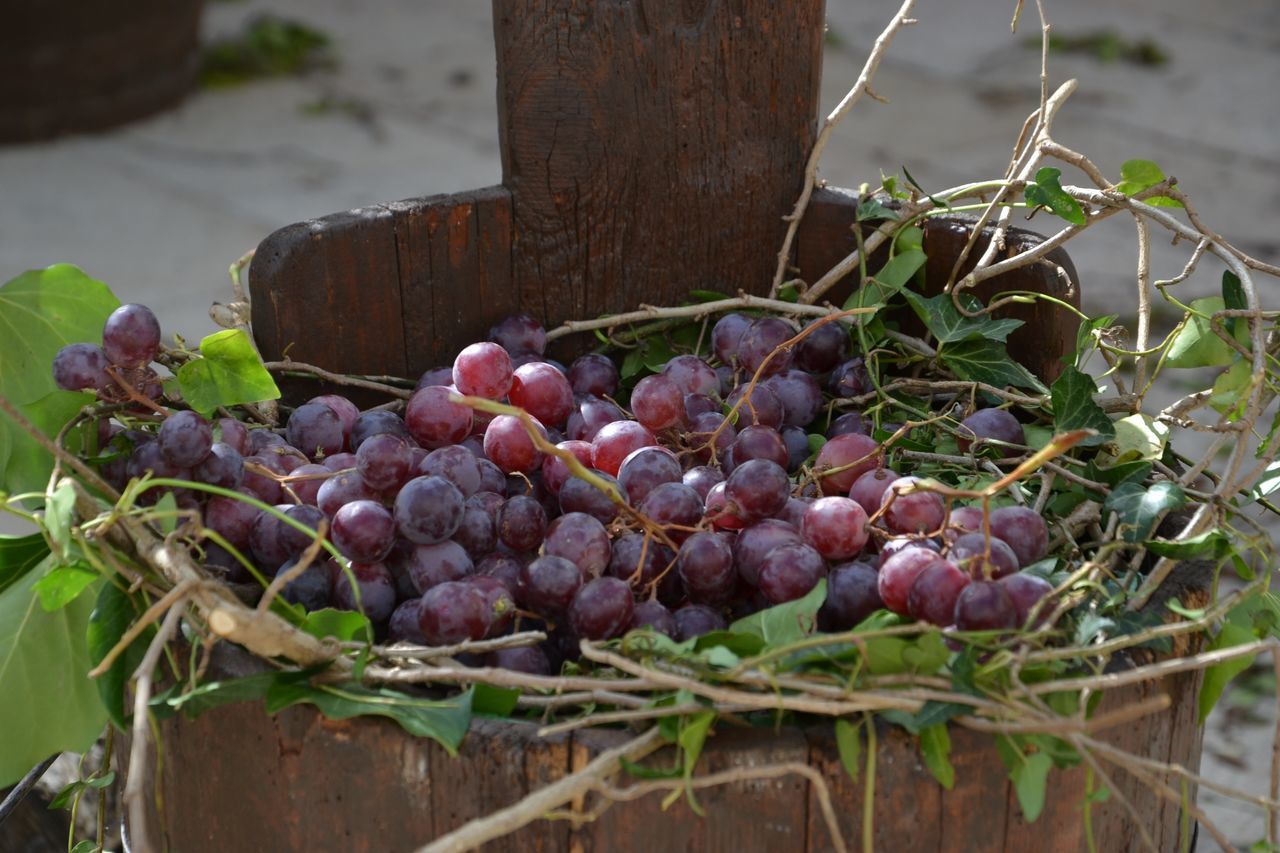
<point>112,615</point>
<point>1140,506</point>
<point>784,623</point>
<point>50,704</point>
<point>1074,407</point>
<point>229,372</point>
<point>19,555</point>
<point>987,361</point>
<point>1197,345</point>
<point>935,749</point>
<point>27,467</point>
<point>941,317</point>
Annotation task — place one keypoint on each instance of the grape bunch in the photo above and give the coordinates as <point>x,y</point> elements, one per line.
<point>130,343</point>
<point>704,502</point>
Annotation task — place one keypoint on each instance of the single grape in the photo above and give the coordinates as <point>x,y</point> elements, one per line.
<point>601,609</point>
<point>981,558</point>
<point>376,587</point>
<point>615,441</point>
<point>232,432</point>
<point>702,434</point>
<point>800,395</point>
<point>273,542</point>
<point>363,531</point>
<point>701,478</point>
<point>705,564</point>
<point>433,420</point>
<point>150,458</point>
<point>522,523</point>
<point>699,404</point>
<point>728,379</point>
<point>965,519</point>
<point>340,462</point>
<point>452,613</point>
<point>578,495</point>
<point>762,340</point>
<point>131,336</point>
<point>477,534</point>
<point>694,620</point>
<point>428,510</point>
<point>593,374</point>
<point>548,584</point>
<point>376,422</point>
<point>403,626</point>
<point>758,488</point>
<point>896,544</point>
<point>692,375</point>
<point>435,376</point>
<point>726,337</point>
<point>899,572</point>
<point>756,542</point>
<point>346,410</point>
<point>185,438</point>
<point>555,470</point>
<point>384,461</point>
<point>868,490</point>
<point>314,429</point>
<point>455,464</point>
<point>589,416</point>
<point>912,511</point>
<point>1026,591</point>
<point>793,512</point>
<point>503,568</point>
<point>762,406</point>
<point>645,469</point>
<point>847,423</point>
<point>853,594</point>
<point>264,487</point>
<point>499,603</point>
<point>634,553</point>
<point>519,334</point>
<point>232,519</point>
<point>672,505</point>
<point>652,615</point>
<point>483,370</point>
<point>223,466</point>
<point>543,392</point>
<point>853,454</point>
<point>429,566</point>
<point>1023,530</point>
<point>81,367</point>
<point>719,512</point>
<point>260,439</point>
<point>760,442</point>
<point>581,539</point>
<point>658,402</point>
<point>492,478</point>
<point>796,441</point>
<point>508,445</point>
<point>989,425</point>
<point>851,379</point>
<point>985,606</point>
<point>310,590</point>
<point>823,348</point>
<point>530,660</point>
<point>789,572</point>
<point>933,594</point>
<point>338,490</point>
<point>836,527</point>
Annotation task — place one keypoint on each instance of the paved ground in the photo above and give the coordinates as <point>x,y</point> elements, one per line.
<point>159,209</point>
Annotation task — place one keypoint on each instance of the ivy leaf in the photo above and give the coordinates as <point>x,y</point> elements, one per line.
<point>1090,626</point>
<point>1218,676</point>
<point>1231,389</point>
<point>948,325</point>
<point>871,210</point>
<point>63,585</point>
<point>1196,344</point>
<point>1030,778</point>
<point>1074,407</point>
<point>784,623</point>
<point>1212,544</point>
<point>1084,334</point>
<point>989,362</point>
<point>64,797</point>
<point>1139,175</point>
<point>935,749</point>
<point>341,624</point>
<point>19,555</point>
<point>1048,192</point>
<point>112,615</point>
<point>891,278</point>
<point>53,706</point>
<point>1139,506</point>
<point>58,513</point>
<point>1233,298</point>
<point>849,745</point>
<point>229,372</point>
<point>1138,438</point>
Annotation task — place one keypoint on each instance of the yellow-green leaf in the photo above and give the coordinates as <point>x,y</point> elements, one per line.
<point>229,372</point>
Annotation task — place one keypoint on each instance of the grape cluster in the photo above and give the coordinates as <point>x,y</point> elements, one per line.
<point>458,525</point>
<point>130,342</point>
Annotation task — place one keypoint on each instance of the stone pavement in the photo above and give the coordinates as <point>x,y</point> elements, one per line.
<point>160,208</point>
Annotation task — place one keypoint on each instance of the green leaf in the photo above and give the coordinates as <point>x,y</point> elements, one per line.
<point>112,615</point>
<point>693,734</point>
<point>1085,336</point>
<point>707,295</point>
<point>641,772</point>
<point>52,705</point>
<point>228,373</point>
<point>443,720</point>
<point>1074,407</point>
<point>1090,626</point>
<point>19,555</point>
<point>342,624</point>
<point>1048,192</point>
<point>27,465</point>
<point>64,797</point>
<point>1139,506</point>
<point>871,210</point>
<point>1268,482</point>
<point>987,361</point>
<point>1231,389</point>
<point>1138,438</point>
<point>785,623</point>
<point>63,585</point>
<point>1196,344</point>
<point>926,654</point>
<point>1212,544</point>
<point>849,746</point>
<point>1233,297</point>
<point>58,515</point>
<point>941,317</point>
<point>1030,778</point>
<point>214,694</point>
<point>891,278</point>
<point>84,846</point>
<point>1218,676</point>
<point>1139,175</point>
<point>935,749</point>
<point>494,701</point>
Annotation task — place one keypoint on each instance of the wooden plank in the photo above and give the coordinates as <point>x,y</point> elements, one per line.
<point>651,146</point>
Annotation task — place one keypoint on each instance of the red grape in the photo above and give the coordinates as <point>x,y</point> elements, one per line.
<point>754,544</point>
<point>908,511</point>
<point>853,594</point>
<point>973,555</point>
<point>1023,530</point>
<point>548,584</point>
<point>658,402</point>
<point>519,334</point>
<point>985,606</point>
<point>508,445</point>
<point>543,392</point>
<point>705,564</point>
<point>989,424</point>
<point>593,374</point>
<point>554,469</point>
<point>363,531</point>
<point>483,370</point>
<point>384,461</point>
<point>131,336</point>
<point>81,367</point>
<point>933,594</point>
<point>581,539</point>
<point>589,416</point>
<point>899,572</point>
<point>452,613</point>
<point>428,510</point>
<point>692,375</point>
<point>758,488</point>
<point>645,469</point>
<point>868,490</point>
<point>522,522</point>
<point>615,441</point>
<point>433,420</point>
<point>854,454</point>
<point>601,609</point>
<point>788,572</point>
<point>577,495</point>
<point>835,527</point>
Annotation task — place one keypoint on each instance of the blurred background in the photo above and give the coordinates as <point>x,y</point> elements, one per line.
<point>242,116</point>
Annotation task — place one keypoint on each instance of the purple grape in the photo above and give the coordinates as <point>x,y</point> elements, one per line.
<point>310,590</point>
<point>582,540</point>
<point>519,334</point>
<point>823,348</point>
<point>726,337</point>
<point>81,367</point>
<point>893,546</point>
<point>694,620</point>
<point>500,603</point>
<point>601,609</point>
<point>477,534</point>
<point>530,660</point>
<point>762,338</point>
<point>699,404</point>
<point>223,466</point>
<point>430,418</point>
<point>989,424</point>
<point>789,572</point>
<point>630,553</point>
<point>429,566</point>
<point>756,542</point>
<point>376,587</point>
<point>899,571</point>
<point>503,568</point>
<point>672,505</point>
<point>933,594</point>
<point>847,423</point>
<point>968,550</point>
<point>232,519</point>
<point>1026,591</point>
<point>985,606</point>
<point>377,422</point>
<point>453,612</point>
<point>966,519</point>
<point>403,625</point>
<point>455,464</point>
<point>316,430</point>
<point>655,617</point>
<point>363,531</point>
<point>800,395</point>
<point>131,336</point>
<point>701,478</point>
<point>1023,530</point>
<point>577,495</point>
<point>701,430</point>
<point>305,480</point>
<point>261,439</point>
<point>492,478</point>
<point>340,462</point>
<point>593,374</point>
<point>853,594</point>
<point>758,488</point>
<point>232,432</point>
<point>428,510</point>
<point>705,564</point>
<point>338,490</point>
<point>522,523</point>
<point>384,461</point>
<point>263,486</point>
<point>763,406</point>
<point>346,410</point>
<point>692,375</point>
<point>185,438</point>
<point>911,511</point>
<point>760,442</point>
<point>851,379</point>
<point>548,585</point>
<point>868,490</point>
<point>590,415</point>
<point>793,512</point>
<point>796,441</point>
<point>645,469</point>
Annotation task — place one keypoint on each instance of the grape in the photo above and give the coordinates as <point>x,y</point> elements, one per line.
<point>985,606</point>
<point>314,429</point>
<point>1026,591</point>
<point>912,512</point>
<point>261,439</point>
<point>763,406</point>
<point>499,603</point>
<point>593,374</point>
<point>756,542</point>
<point>868,490</point>
<point>232,432</point>
<point>728,379</point>
<point>853,594</point>
<point>435,376</point>
<point>455,464</point>
<point>508,445</point>
<point>853,453</point>
<point>851,379</point>
<point>701,429</point>
<point>673,505</point>
<point>653,616</point>
<point>760,442</point>
<point>799,394</point>
<point>789,572</point>
<point>283,458</point>
<point>310,590</point>
<point>150,458</point>
<point>377,422</point>
<point>273,542</point>
<point>519,334</point>
<point>428,510</point>
<point>835,527</point>
<point>376,587</point>
<point>483,370</point>
<point>232,519</point>
<point>81,367</point>
<point>762,338</point>
<point>847,423</point>
<point>989,424</point>
<point>521,523</point>
<point>701,478</point>
<point>934,592</point>
<point>266,488</point>
<point>631,553</point>
<point>185,438</point>
<point>705,564</point>
<point>530,660</point>
<point>403,627</point>
<point>602,609</point>
<point>384,461</point>
<point>658,402</point>
<point>131,336</point>
<point>797,443</point>
<point>717,510</point>
<point>478,533</point>
<point>555,470</point>
<point>694,620</point>
<point>339,462</point>
<point>589,416</point>
<point>968,550</point>
<point>726,337</point>
<point>899,572</point>
<point>543,392</point>
<point>823,348</point>
<point>893,546</point>
<point>346,410</point>
<point>645,469</point>
<point>615,441</point>
<point>581,539</point>
<point>699,404</point>
<point>1023,530</point>
<point>492,478</point>
<point>363,531</point>
<point>453,612</point>
<point>223,466</point>
<point>793,512</point>
<point>432,419</point>
<point>503,568</point>
<point>548,584</point>
<point>338,490</point>
<point>577,495</point>
<point>429,566</point>
<point>758,488</point>
<point>692,375</point>
<point>967,519</point>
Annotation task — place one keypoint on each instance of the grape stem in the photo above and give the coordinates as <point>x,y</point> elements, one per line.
<point>288,366</point>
